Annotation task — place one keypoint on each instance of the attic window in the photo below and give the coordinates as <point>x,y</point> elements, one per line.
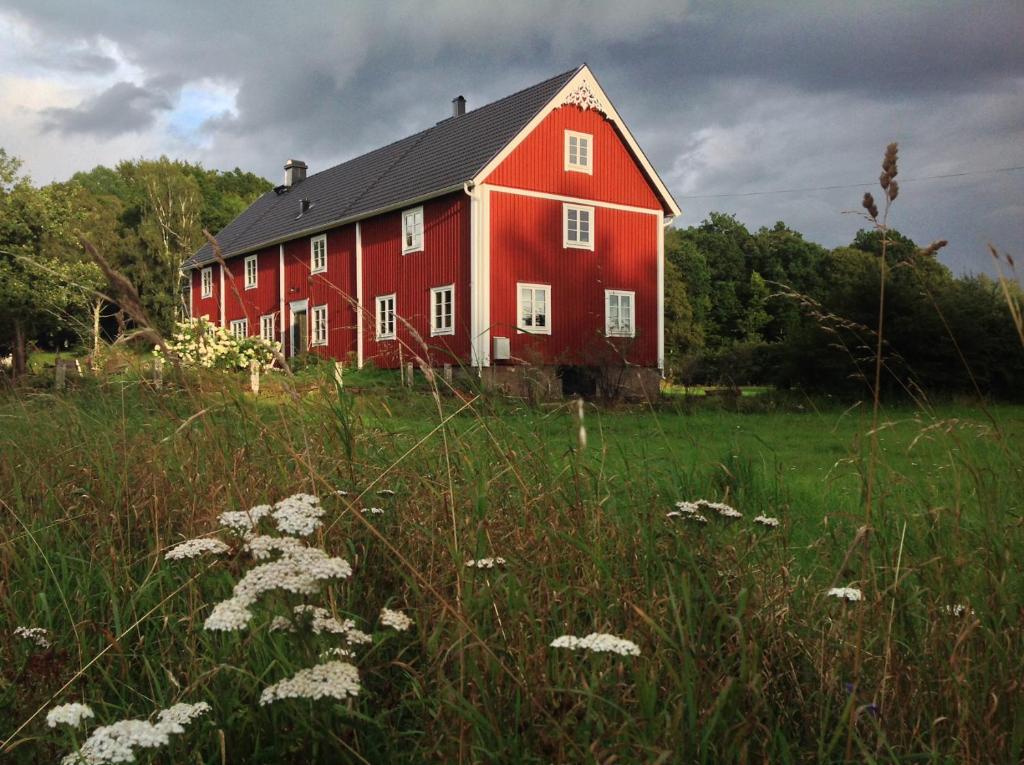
<point>577,152</point>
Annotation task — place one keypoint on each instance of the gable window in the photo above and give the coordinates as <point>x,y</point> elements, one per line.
<point>578,226</point>
<point>267,327</point>
<point>533,308</point>
<point>318,254</point>
<point>386,317</point>
<point>618,313</point>
<point>319,325</point>
<point>206,278</point>
<point>240,328</point>
<point>251,272</point>
<point>412,230</point>
<point>442,310</point>
<point>577,152</point>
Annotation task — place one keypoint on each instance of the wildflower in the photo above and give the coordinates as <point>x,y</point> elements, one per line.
<point>261,547</point>
<point>36,635</point>
<point>485,563</point>
<point>599,643</point>
<point>321,620</point>
<point>687,515</point>
<point>68,714</point>
<point>356,637</point>
<point>846,593</point>
<point>281,624</point>
<point>117,742</point>
<point>395,619</point>
<point>372,510</point>
<point>337,652</point>
<point>386,492</point>
<point>244,521</point>
<point>183,714</point>
<point>229,615</point>
<point>341,492</point>
<point>765,520</point>
<point>957,609</point>
<point>298,514</point>
<point>687,507</point>
<point>334,679</point>
<point>582,435</point>
<point>193,548</point>
<point>724,510</point>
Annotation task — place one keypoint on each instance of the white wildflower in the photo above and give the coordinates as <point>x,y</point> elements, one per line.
<point>335,679</point>
<point>262,547</point>
<point>724,510</point>
<point>485,563</point>
<point>244,521</point>
<point>957,609</point>
<point>356,637</point>
<point>35,635</point>
<point>321,620</point>
<point>687,515</point>
<point>193,548</point>
<point>281,624</point>
<point>298,514</point>
<point>687,507</point>
<point>395,619</point>
<point>341,492</point>
<point>68,714</point>
<point>372,510</point>
<point>183,714</point>
<point>765,520</point>
<point>386,492</point>
<point>337,653</point>
<point>599,643</point>
<point>229,616</point>
<point>846,593</point>
<point>117,742</point>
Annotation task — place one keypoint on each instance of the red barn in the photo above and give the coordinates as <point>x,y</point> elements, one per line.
<point>530,230</point>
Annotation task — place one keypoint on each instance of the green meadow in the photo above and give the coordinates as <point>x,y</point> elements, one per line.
<point>743,656</point>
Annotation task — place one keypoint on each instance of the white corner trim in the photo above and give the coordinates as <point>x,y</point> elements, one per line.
<point>583,76</point>
<point>222,300</point>
<point>661,295</point>
<point>280,298</point>
<point>359,296</point>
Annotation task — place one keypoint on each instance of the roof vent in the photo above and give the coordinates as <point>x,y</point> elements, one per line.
<point>458,106</point>
<point>294,172</point>
<point>304,206</point>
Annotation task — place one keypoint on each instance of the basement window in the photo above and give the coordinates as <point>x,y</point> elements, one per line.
<point>206,277</point>
<point>577,152</point>
<point>251,272</point>
<point>618,313</point>
<point>412,230</point>
<point>578,228</point>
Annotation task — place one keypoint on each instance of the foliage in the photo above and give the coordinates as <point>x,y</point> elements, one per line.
<point>199,343</point>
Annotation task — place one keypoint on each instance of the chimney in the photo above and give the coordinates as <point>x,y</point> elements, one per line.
<point>458,106</point>
<point>294,172</point>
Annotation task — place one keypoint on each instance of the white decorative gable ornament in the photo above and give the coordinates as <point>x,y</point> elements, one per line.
<point>584,98</point>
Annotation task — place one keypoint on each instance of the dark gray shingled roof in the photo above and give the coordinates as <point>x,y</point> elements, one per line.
<point>431,161</point>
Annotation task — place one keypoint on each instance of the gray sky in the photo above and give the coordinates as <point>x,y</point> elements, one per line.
<point>727,98</point>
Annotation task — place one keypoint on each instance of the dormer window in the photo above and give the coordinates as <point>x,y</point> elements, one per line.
<point>412,230</point>
<point>577,152</point>
<point>318,254</point>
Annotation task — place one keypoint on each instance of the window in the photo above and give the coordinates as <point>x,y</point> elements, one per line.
<point>412,230</point>
<point>251,272</point>
<point>318,254</point>
<point>267,327</point>
<point>577,152</point>
<point>578,230</point>
<point>618,313</point>
<point>442,310</point>
<point>206,277</point>
<point>240,328</point>
<point>319,325</point>
<point>534,307</point>
<point>386,317</point>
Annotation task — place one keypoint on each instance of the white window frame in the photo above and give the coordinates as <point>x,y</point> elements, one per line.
<point>206,282</point>
<point>240,328</point>
<point>381,299</point>
<point>318,330</point>
<point>314,268</point>
<point>271,319</point>
<point>417,242</point>
<point>577,166</point>
<point>578,209</point>
<point>546,329</point>
<point>251,284</point>
<point>608,295</point>
<point>435,328</point>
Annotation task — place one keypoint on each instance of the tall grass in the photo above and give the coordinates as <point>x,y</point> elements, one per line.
<point>743,658</point>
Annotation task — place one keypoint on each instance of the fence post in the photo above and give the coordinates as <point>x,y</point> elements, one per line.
<point>448,373</point>
<point>158,372</point>
<point>408,374</point>
<point>59,374</point>
<point>339,374</point>
<point>254,377</point>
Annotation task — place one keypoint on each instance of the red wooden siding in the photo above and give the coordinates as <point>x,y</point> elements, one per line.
<point>538,163</point>
<point>251,304</point>
<point>444,260</point>
<point>206,306</point>
<point>526,246</point>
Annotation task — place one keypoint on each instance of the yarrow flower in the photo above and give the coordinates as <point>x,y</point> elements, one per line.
<point>690,516</point>
<point>298,514</point>
<point>337,653</point>
<point>957,609</point>
<point>118,742</point>
<point>724,510</point>
<point>68,714</point>
<point>598,642</point>
<point>183,714</point>
<point>372,510</point>
<point>386,492</point>
<point>229,615</point>
<point>850,594</point>
<point>485,563</point>
<point>395,619</point>
<point>35,635</point>
<point>765,520</point>
<point>244,521</point>
<point>263,547</point>
<point>334,679</point>
<point>193,548</point>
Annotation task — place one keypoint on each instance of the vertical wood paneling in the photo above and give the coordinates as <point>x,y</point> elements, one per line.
<point>538,163</point>
<point>209,307</point>
<point>251,304</point>
<point>526,246</point>
<point>444,260</point>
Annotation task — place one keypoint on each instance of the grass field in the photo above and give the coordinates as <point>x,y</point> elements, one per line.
<point>743,656</point>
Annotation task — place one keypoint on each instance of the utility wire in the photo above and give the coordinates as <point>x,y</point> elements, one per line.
<point>852,185</point>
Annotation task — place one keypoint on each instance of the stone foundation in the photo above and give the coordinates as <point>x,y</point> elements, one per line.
<point>550,383</point>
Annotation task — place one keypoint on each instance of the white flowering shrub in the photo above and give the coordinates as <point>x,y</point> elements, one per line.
<point>199,343</point>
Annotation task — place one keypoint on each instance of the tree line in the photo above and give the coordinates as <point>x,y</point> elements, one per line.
<point>766,307</point>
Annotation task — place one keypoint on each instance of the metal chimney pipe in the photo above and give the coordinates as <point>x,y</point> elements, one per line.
<point>458,106</point>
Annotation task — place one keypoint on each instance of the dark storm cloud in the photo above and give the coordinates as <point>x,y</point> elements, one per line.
<point>121,108</point>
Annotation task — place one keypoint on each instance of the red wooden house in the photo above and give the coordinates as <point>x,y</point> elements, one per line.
<point>531,228</point>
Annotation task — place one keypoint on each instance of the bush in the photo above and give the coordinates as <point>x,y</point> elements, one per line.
<point>199,343</point>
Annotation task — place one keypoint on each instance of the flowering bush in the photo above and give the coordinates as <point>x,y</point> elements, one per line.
<point>199,343</point>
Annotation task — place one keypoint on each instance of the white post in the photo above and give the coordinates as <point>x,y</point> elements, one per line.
<point>448,373</point>
<point>59,373</point>
<point>158,372</point>
<point>339,374</point>
<point>408,374</point>
<point>254,377</point>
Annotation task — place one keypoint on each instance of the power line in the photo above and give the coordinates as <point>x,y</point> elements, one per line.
<point>851,185</point>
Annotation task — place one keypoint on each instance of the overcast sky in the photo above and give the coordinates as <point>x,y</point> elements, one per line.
<point>728,99</point>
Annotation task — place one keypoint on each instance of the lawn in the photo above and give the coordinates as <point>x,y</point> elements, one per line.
<point>742,655</point>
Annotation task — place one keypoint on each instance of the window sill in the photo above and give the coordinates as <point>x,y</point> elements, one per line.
<point>318,271</point>
<point>534,331</point>
<point>441,332</point>
<point>411,251</point>
<point>250,287</point>
<point>384,339</point>
<point>579,169</point>
<point>573,246</point>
